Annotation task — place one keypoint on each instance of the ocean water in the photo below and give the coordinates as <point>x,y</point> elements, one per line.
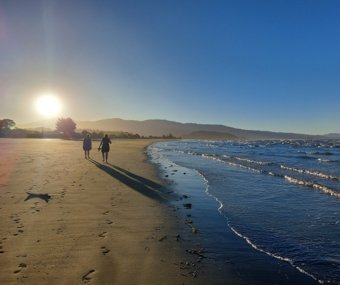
<point>281,198</point>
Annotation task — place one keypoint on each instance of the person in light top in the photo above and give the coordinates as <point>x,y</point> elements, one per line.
<point>87,145</point>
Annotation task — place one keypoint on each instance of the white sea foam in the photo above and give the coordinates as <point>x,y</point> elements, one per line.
<point>326,160</point>
<point>293,180</point>
<point>253,161</point>
<point>314,185</point>
<point>253,245</point>
<point>311,172</point>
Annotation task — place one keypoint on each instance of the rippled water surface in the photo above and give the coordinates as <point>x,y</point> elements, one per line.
<point>281,197</point>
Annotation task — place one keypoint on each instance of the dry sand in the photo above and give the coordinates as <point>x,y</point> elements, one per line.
<point>68,220</point>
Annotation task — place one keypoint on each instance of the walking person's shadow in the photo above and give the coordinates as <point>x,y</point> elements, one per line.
<point>138,183</point>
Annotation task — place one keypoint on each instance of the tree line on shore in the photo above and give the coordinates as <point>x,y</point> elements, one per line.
<point>65,129</point>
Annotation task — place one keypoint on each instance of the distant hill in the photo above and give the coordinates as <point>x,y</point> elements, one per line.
<point>333,136</point>
<point>164,127</point>
<point>47,124</point>
<point>185,130</point>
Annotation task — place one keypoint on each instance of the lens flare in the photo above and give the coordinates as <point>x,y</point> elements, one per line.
<point>48,105</point>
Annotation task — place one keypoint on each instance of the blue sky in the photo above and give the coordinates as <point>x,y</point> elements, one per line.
<point>265,65</point>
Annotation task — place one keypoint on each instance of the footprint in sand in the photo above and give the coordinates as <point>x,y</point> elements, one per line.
<point>103,234</point>
<point>104,250</point>
<point>147,249</point>
<point>21,266</point>
<point>87,277</point>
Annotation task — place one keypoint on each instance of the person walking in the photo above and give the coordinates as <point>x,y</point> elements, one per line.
<point>87,145</point>
<point>105,147</point>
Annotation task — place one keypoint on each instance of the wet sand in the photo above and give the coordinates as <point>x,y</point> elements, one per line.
<point>69,220</point>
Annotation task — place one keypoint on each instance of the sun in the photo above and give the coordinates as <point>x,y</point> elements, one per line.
<point>48,105</point>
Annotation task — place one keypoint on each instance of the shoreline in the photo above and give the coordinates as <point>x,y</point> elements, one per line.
<point>67,220</point>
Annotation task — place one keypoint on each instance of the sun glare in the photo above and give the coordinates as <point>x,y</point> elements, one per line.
<point>48,105</point>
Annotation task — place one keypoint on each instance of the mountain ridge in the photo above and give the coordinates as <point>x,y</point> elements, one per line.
<point>160,127</point>
<point>155,127</point>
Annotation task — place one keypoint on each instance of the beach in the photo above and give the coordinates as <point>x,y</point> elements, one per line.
<point>70,220</point>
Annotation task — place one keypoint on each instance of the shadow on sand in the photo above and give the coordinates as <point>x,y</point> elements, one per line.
<point>138,183</point>
<point>44,197</point>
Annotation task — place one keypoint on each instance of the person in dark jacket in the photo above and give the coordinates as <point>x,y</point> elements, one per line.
<point>105,147</point>
<point>87,145</point>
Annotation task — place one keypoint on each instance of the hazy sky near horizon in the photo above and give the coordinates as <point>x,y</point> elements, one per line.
<point>265,65</point>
